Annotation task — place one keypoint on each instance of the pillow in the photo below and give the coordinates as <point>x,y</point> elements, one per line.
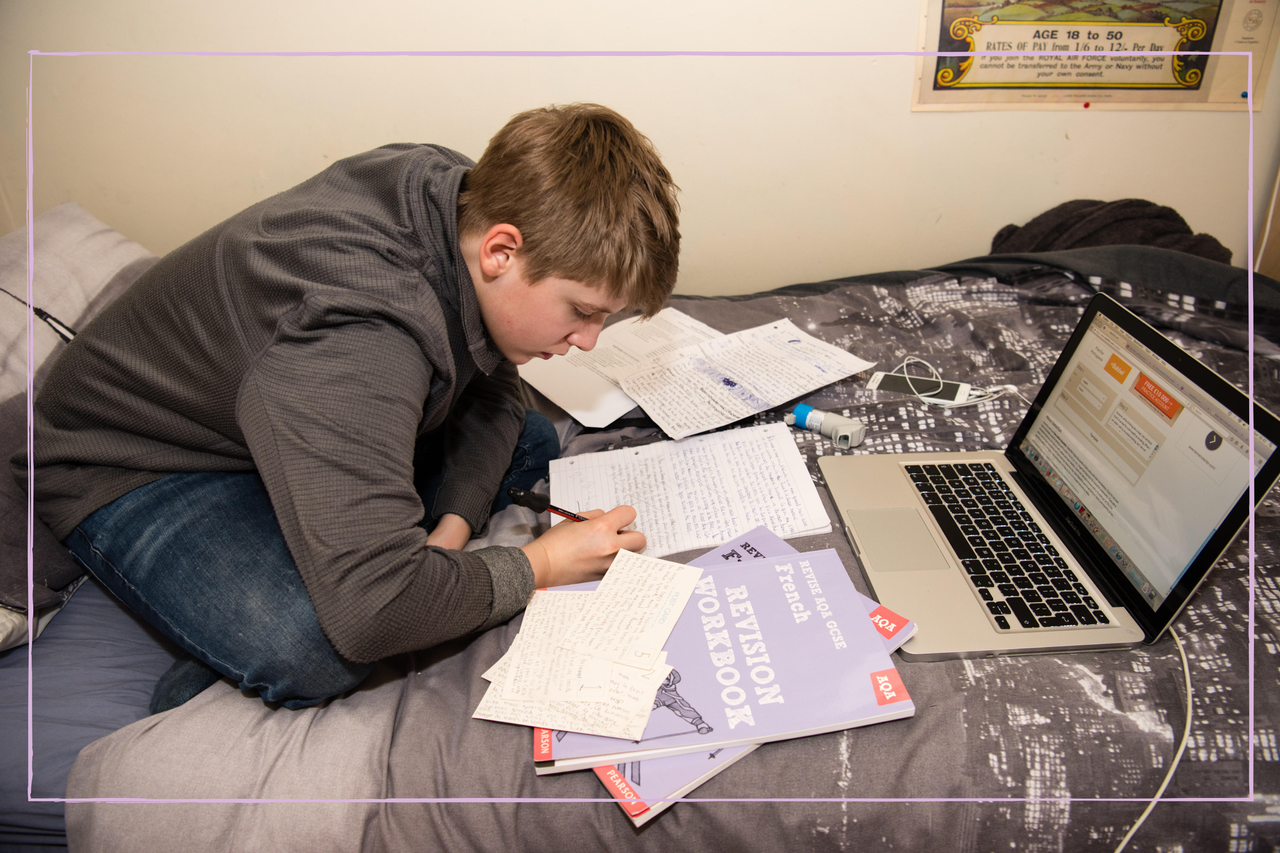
<point>80,266</point>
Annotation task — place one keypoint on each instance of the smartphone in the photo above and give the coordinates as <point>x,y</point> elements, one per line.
<point>930,390</point>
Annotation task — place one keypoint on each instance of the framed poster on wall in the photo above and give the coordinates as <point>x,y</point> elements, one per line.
<point>1114,54</point>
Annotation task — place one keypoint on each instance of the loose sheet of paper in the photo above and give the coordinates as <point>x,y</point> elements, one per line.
<point>720,381</point>
<point>629,689</point>
<point>585,384</point>
<point>540,667</point>
<point>698,492</point>
<point>564,670</point>
<point>632,612</point>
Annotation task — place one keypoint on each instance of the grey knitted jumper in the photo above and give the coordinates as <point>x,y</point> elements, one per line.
<point>313,338</point>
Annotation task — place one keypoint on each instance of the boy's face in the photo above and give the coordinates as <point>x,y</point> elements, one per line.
<point>546,318</point>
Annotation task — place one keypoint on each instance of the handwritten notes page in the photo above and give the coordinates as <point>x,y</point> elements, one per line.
<point>548,670</point>
<point>585,384</point>
<point>565,670</point>
<point>623,714</point>
<point>726,379</point>
<point>701,491</point>
<point>633,610</point>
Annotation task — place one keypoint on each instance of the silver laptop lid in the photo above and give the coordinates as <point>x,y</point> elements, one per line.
<point>1142,455</point>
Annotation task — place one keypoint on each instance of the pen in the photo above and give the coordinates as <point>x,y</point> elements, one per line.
<point>539,503</point>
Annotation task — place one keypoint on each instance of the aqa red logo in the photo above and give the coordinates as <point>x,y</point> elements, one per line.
<point>888,687</point>
<point>886,621</point>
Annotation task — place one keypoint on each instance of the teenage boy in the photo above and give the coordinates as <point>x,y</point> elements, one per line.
<point>274,445</point>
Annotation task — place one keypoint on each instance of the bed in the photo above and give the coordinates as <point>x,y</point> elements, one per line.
<point>1028,753</point>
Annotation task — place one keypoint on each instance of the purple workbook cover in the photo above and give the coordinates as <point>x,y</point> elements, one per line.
<point>644,789</point>
<point>765,650</point>
<point>760,543</point>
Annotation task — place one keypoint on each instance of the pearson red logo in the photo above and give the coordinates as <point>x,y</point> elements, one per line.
<point>623,792</point>
<point>888,687</point>
<point>541,744</point>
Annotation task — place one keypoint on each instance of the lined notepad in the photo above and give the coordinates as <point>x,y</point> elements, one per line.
<point>698,492</point>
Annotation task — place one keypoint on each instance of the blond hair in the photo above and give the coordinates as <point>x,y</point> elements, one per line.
<point>590,196</point>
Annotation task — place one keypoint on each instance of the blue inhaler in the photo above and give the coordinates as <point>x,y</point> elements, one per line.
<point>843,432</point>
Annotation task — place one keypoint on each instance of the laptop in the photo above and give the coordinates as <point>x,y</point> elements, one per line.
<point>1124,483</point>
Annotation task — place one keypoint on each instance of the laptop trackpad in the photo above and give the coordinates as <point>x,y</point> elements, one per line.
<point>896,540</point>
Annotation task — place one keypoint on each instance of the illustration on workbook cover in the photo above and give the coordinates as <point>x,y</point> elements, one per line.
<point>644,789</point>
<point>768,650</point>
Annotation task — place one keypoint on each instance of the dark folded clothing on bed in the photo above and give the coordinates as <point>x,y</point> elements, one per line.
<point>1086,222</point>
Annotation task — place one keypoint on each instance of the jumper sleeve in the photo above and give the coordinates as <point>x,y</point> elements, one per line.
<point>330,411</point>
<point>485,426</point>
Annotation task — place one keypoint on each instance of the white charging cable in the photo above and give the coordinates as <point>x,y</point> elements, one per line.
<point>1186,736</point>
<point>976,395</point>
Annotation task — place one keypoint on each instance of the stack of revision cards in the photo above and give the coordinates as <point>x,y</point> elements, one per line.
<point>592,662</point>
<point>699,492</point>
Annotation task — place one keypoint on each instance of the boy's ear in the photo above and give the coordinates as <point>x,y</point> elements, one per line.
<point>498,249</point>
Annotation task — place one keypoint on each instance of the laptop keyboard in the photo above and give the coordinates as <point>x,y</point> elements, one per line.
<point>1013,568</point>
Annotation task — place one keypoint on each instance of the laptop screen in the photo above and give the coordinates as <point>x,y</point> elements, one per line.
<point>1147,450</point>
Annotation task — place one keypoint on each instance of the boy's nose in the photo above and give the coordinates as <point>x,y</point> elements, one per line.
<point>585,340</point>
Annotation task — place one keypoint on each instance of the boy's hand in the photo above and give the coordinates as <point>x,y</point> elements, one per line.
<point>577,551</point>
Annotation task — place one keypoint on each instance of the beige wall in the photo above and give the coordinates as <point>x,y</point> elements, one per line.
<point>791,168</point>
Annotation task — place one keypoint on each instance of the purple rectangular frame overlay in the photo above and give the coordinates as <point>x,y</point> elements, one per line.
<point>619,54</point>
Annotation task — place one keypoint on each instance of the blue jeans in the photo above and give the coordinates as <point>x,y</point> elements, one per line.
<point>202,558</point>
